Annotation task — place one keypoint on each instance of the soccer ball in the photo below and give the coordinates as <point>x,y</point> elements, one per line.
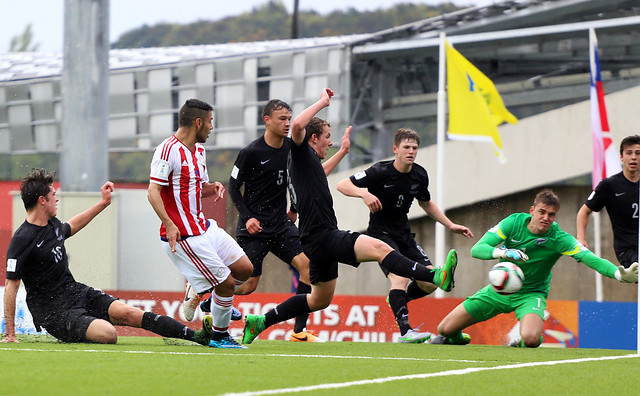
<point>506,278</point>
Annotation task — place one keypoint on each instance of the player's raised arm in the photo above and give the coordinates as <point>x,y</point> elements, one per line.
<point>330,164</point>
<point>302,120</point>
<point>80,220</point>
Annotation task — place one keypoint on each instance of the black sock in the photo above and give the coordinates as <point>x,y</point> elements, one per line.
<point>301,320</point>
<point>414,292</point>
<point>166,326</point>
<point>402,266</point>
<point>398,303</point>
<point>292,307</point>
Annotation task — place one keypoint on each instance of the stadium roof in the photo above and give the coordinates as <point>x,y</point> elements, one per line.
<point>497,17</point>
<point>28,65</point>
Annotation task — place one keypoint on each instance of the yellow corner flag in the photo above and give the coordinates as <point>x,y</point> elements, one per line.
<point>475,106</point>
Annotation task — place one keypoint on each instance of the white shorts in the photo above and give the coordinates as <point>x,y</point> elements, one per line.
<point>205,259</point>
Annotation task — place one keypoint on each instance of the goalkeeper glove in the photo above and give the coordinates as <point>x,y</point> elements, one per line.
<point>627,275</point>
<point>515,255</point>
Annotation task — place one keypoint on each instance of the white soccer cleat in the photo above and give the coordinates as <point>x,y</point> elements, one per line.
<point>190,303</point>
<point>414,337</point>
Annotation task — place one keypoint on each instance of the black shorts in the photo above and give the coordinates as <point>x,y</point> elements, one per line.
<point>406,245</point>
<point>285,246</point>
<point>79,305</point>
<point>627,257</point>
<point>325,249</point>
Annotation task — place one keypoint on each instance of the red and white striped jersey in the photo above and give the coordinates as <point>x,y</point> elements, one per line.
<point>182,173</point>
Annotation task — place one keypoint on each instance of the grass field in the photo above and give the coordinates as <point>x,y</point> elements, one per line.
<point>148,365</point>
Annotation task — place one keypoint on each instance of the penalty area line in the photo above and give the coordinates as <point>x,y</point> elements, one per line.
<point>469,370</point>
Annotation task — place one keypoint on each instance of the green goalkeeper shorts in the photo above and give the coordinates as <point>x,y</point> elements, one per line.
<point>487,303</point>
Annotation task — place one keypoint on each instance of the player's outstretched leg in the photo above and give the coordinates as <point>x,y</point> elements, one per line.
<point>253,325</point>
<point>203,337</point>
<point>443,277</point>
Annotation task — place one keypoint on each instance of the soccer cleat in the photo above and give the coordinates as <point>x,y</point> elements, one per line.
<point>190,303</point>
<point>204,336</point>
<point>226,342</point>
<point>253,325</point>
<point>444,276</point>
<point>205,306</point>
<point>440,339</point>
<point>305,336</point>
<point>516,343</point>
<point>414,337</point>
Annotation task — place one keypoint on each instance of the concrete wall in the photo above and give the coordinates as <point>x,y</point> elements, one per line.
<point>120,249</point>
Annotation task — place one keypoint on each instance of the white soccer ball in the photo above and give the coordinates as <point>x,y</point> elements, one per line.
<point>506,278</point>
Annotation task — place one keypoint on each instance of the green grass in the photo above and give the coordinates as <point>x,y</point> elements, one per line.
<point>147,365</point>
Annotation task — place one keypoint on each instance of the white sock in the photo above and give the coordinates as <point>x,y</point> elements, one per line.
<point>221,312</point>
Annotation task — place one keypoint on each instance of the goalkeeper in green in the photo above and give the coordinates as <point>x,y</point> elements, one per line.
<point>535,243</point>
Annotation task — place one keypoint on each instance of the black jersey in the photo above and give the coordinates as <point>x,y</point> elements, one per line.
<point>314,201</point>
<point>37,256</point>
<point>396,191</point>
<point>263,171</point>
<point>620,197</point>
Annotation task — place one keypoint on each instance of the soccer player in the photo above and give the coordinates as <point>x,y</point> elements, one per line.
<point>535,243</point>
<point>68,310</point>
<point>264,224</point>
<point>321,239</point>
<point>388,189</point>
<point>619,194</point>
<point>205,254</point>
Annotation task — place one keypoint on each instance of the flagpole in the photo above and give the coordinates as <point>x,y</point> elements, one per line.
<point>440,141</point>
<point>597,249</point>
<point>596,216</point>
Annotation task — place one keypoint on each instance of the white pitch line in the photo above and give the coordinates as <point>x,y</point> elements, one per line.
<point>242,354</point>
<point>469,370</point>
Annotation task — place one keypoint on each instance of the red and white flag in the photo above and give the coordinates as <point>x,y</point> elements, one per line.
<point>606,160</point>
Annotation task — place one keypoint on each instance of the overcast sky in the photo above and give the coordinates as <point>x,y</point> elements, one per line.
<point>47,16</point>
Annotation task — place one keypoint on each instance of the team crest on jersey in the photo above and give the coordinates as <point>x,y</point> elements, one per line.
<point>11,265</point>
<point>234,172</point>
<point>359,175</point>
<point>220,273</point>
<point>163,169</point>
<point>540,241</point>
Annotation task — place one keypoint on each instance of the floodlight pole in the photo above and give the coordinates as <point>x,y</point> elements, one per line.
<point>85,96</point>
<point>440,141</point>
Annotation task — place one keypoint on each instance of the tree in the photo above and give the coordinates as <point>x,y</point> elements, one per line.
<point>23,42</point>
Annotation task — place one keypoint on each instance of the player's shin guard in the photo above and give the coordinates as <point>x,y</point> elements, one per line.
<point>402,266</point>
<point>221,312</point>
<point>398,304</point>
<point>294,306</point>
<point>301,320</point>
<point>166,326</point>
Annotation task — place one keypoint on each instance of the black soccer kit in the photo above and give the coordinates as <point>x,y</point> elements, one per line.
<point>322,242</point>
<point>263,171</point>
<point>37,256</point>
<point>620,197</point>
<point>396,192</point>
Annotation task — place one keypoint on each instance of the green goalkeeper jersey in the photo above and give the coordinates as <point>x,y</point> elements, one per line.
<point>543,250</point>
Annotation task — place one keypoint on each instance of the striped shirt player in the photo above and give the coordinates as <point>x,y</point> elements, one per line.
<point>204,253</point>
